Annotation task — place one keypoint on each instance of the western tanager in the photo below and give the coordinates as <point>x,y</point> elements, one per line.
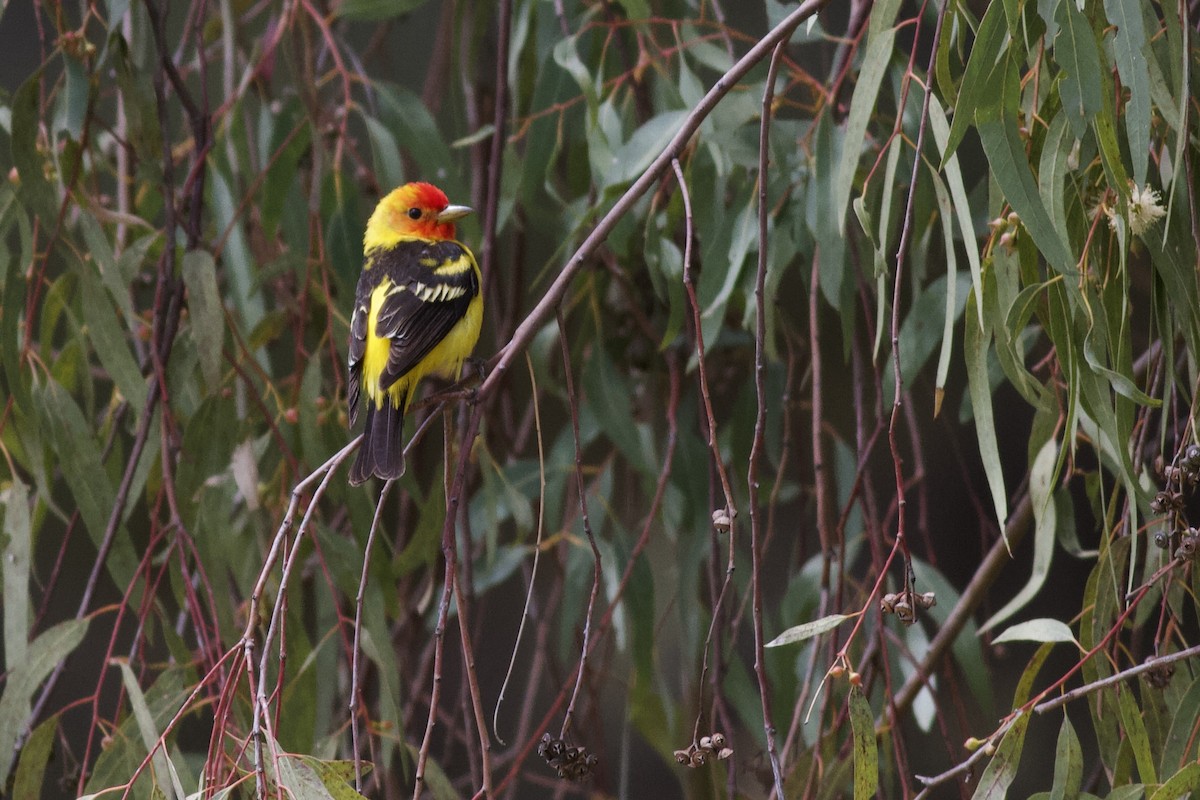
<point>417,312</point>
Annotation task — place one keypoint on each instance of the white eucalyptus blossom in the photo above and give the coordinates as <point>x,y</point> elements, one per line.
<point>1145,209</point>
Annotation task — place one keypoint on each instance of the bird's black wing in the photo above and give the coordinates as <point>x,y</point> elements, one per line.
<point>358,342</point>
<point>437,282</point>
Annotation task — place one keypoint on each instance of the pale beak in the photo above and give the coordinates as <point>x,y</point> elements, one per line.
<point>451,213</point>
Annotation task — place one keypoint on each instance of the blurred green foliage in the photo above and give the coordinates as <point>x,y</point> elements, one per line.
<point>184,191</point>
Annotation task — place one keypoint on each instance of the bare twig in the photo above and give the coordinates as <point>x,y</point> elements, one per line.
<point>760,419</point>
<point>1124,675</point>
<point>581,490</point>
<point>356,651</point>
<point>537,547</point>
<point>537,317</point>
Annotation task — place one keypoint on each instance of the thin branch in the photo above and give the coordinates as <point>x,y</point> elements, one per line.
<point>495,166</point>
<point>974,594</point>
<point>356,650</point>
<point>537,546</point>
<point>1146,666</point>
<point>536,318</point>
<point>760,419</point>
<point>581,491</point>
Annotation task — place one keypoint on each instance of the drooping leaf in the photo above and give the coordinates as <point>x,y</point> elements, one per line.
<point>1076,52</point>
<point>1068,764</point>
<point>63,425</point>
<point>800,633</point>
<point>1135,730</point>
<point>35,757</point>
<point>1037,630</point>
<point>1129,44</point>
<point>866,753</point>
<point>1186,781</point>
<point>991,43</point>
<point>167,778</point>
<point>880,42</point>
<point>34,189</point>
<point>375,10</point>
<point>15,562</point>
<point>1002,769</point>
<point>1006,154</point>
<point>975,349</point>
<point>1041,493</point>
<point>43,654</point>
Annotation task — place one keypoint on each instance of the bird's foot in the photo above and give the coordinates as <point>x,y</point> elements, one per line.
<point>479,365</point>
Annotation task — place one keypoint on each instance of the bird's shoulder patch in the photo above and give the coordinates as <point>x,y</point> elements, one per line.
<point>419,259</point>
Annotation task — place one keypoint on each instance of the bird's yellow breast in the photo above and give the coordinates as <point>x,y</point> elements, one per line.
<point>375,358</point>
<point>445,360</point>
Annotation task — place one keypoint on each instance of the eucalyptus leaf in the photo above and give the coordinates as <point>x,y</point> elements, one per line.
<point>807,630</point>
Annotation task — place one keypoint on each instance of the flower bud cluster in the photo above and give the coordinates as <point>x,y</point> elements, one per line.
<point>572,763</point>
<point>699,753</point>
<point>1179,484</point>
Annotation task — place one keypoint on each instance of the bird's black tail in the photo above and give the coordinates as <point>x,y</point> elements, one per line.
<point>382,450</point>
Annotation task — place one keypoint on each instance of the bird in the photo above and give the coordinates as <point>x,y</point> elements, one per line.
<point>418,308</point>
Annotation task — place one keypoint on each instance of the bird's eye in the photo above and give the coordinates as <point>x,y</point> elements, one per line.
<point>414,213</point>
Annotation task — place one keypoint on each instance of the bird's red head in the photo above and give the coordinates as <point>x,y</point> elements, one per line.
<point>418,210</point>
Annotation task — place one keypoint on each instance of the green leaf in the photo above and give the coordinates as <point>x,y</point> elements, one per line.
<point>74,100</point>
<point>975,349</point>
<point>1076,52</point>
<point>1053,168</point>
<point>1068,764</point>
<point>385,154</point>
<point>62,424</point>
<point>101,252</point>
<point>866,751</point>
<point>646,143</point>
<point>933,312</point>
<point>968,646</point>
<point>17,549</point>
<point>1012,15</point>
<point>291,136</point>
<point>880,43</point>
<point>566,55</point>
<point>436,781</point>
<point>745,231</point>
<point>163,768</point>
<point>1104,123</point>
<point>635,9</point>
<point>1002,769</point>
<point>297,779</point>
<point>808,630</point>
<point>35,191</point>
<point>991,44</point>
<point>43,655</point>
<point>952,307</point>
<point>1041,492</point>
<point>109,337</point>
<point>206,313</point>
<point>1135,732</point>
<point>1036,630</point>
<point>1006,153</point>
<point>1129,44</point>
<point>125,750</point>
<point>1178,746</point>
<point>337,776</point>
<point>958,191</point>
<point>35,756</point>
<point>375,10</point>
<point>237,259</point>
<point>825,227</point>
<point>1180,784</point>
<point>12,310</point>
<point>608,399</point>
